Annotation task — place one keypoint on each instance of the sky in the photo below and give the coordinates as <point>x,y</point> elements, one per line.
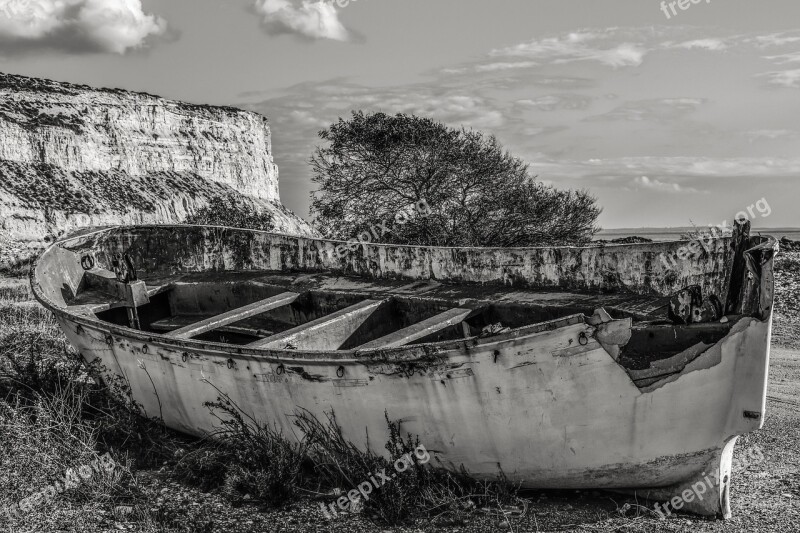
<point>670,118</point>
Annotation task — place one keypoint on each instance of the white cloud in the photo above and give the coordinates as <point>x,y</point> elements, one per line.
<point>784,78</point>
<point>504,65</point>
<point>774,39</point>
<point>497,66</point>
<point>793,57</point>
<point>680,167</point>
<point>714,45</point>
<point>306,118</point>
<point>455,109</point>
<point>112,26</point>
<point>551,102</point>
<point>770,134</point>
<point>662,186</point>
<point>308,19</point>
<point>580,46</point>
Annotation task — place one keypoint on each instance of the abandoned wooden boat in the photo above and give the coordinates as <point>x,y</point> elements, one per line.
<point>558,366</point>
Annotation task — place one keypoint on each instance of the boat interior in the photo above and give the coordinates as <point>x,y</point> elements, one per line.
<point>319,312</point>
<point>330,311</point>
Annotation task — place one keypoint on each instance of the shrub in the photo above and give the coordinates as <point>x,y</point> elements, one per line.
<point>235,213</point>
<point>419,491</point>
<point>246,457</point>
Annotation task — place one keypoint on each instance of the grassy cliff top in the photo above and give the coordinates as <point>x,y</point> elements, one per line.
<point>14,84</point>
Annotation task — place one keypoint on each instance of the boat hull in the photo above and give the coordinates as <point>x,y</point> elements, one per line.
<point>547,406</point>
<point>544,410</point>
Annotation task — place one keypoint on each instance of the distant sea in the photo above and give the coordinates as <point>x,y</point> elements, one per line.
<point>671,234</point>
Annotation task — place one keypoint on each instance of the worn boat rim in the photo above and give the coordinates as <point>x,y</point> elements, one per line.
<point>399,354</point>
<point>589,246</point>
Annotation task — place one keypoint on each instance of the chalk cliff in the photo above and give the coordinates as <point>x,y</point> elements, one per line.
<point>72,155</point>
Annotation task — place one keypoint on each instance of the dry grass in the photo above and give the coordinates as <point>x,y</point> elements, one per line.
<point>55,420</point>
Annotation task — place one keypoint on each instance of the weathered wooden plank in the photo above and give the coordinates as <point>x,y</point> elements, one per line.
<point>96,301</point>
<point>176,322</point>
<point>234,315</point>
<point>134,293</point>
<point>738,273</point>
<point>431,325</point>
<point>326,333</point>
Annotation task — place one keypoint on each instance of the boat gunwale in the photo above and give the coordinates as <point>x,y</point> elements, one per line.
<point>411,353</point>
<point>589,246</point>
<point>408,353</point>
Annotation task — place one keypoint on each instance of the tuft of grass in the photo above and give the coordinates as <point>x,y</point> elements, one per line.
<point>233,212</point>
<point>343,465</point>
<point>246,457</point>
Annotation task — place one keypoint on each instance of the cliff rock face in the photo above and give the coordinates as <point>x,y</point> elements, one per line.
<point>73,155</point>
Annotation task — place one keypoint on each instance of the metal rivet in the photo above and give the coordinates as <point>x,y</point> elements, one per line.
<point>230,363</point>
<point>280,369</point>
<point>109,340</point>
<point>185,357</point>
<point>144,348</point>
<point>340,371</point>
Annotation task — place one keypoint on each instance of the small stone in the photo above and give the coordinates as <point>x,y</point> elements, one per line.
<point>723,320</point>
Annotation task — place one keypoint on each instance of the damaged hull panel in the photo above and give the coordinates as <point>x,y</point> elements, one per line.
<point>527,376</point>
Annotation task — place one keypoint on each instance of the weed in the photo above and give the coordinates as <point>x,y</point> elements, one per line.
<point>246,457</point>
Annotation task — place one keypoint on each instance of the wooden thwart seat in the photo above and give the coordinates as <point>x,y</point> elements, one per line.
<point>419,330</point>
<point>325,333</point>
<point>234,315</point>
<point>134,293</point>
<point>165,325</point>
